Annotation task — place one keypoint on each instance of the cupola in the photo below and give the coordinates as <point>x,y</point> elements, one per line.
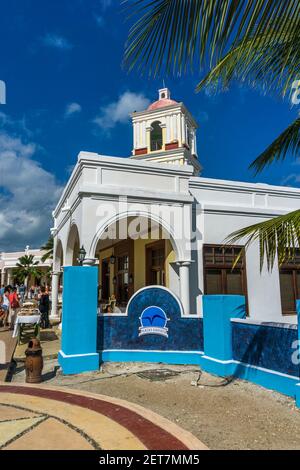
<point>165,132</point>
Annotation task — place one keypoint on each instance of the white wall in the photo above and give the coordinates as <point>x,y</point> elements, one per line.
<point>222,208</point>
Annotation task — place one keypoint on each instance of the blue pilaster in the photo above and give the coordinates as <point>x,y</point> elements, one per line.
<point>217,312</point>
<point>298,385</point>
<point>79,320</point>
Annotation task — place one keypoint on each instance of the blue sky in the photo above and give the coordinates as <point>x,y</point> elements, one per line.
<point>67,91</point>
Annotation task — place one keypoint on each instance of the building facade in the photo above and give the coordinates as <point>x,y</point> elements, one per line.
<point>9,260</point>
<point>151,219</point>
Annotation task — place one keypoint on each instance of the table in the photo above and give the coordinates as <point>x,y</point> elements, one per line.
<point>26,320</point>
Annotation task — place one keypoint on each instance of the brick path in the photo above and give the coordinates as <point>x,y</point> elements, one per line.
<point>35,417</point>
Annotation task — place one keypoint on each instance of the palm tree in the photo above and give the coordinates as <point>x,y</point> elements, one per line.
<point>26,268</point>
<point>48,248</point>
<point>255,41</point>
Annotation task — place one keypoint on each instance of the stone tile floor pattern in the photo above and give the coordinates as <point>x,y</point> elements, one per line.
<point>40,418</point>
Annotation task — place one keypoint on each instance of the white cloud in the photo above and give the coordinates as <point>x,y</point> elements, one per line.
<point>28,194</point>
<point>291,180</point>
<point>72,108</point>
<point>57,42</point>
<point>118,111</point>
<point>14,125</point>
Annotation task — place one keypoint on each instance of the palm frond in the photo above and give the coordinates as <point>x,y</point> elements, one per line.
<point>49,244</point>
<point>287,143</point>
<point>279,237</point>
<point>176,35</point>
<point>48,247</point>
<point>270,62</point>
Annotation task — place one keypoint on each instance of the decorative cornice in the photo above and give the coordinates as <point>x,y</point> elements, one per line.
<point>136,194</point>
<point>93,160</point>
<point>243,211</point>
<point>239,186</point>
<point>179,107</point>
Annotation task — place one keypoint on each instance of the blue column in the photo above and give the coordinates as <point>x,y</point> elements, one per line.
<point>217,312</point>
<point>79,320</point>
<point>298,385</point>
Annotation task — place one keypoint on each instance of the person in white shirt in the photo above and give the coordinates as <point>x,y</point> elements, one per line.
<point>5,306</point>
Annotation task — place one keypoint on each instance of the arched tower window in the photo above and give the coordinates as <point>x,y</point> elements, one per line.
<point>156,136</point>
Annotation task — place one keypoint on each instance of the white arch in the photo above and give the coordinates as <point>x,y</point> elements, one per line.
<point>58,256</point>
<point>73,236</point>
<point>134,213</point>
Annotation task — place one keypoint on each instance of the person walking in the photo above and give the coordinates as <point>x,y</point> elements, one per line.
<point>44,307</point>
<point>14,305</point>
<point>31,292</point>
<point>5,306</point>
<point>22,290</point>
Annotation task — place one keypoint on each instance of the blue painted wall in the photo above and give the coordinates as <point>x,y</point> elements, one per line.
<point>79,309</point>
<point>217,312</point>
<point>79,320</point>
<point>269,347</point>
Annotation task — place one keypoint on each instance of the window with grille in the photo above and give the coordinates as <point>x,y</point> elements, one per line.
<point>289,275</point>
<point>219,275</point>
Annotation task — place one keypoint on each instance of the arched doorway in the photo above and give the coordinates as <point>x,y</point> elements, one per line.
<point>134,252</point>
<point>73,245</point>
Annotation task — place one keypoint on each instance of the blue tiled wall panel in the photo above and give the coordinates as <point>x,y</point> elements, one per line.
<point>122,333</point>
<point>265,346</point>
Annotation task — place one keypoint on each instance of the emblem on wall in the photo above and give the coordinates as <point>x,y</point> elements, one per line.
<point>153,322</point>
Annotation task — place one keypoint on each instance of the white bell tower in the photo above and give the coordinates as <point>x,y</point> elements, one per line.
<point>165,133</point>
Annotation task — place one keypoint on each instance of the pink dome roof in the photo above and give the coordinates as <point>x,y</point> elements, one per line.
<point>161,104</point>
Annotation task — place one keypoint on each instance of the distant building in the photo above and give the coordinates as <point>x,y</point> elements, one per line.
<point>151,219</point>
<point>9,260</point>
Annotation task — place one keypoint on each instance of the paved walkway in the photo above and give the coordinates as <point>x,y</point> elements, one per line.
<point>38,418</point>
<point>50,342</point>
<point>7,348</point>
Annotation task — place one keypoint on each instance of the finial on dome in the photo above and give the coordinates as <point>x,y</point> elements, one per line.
<point>164,94</point>
<point>164,99</point>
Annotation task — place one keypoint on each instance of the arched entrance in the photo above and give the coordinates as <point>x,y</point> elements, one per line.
<point>73,245</point>
<point>156,136</point>
<point>133,252</point>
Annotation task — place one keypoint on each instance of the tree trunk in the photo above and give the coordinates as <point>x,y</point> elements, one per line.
<point>27,287</point>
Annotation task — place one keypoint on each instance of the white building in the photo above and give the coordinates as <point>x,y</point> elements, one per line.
<point>152,219</point>
<point>9,260</point>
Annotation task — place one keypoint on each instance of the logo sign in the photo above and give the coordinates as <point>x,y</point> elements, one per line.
<point>153,322</point>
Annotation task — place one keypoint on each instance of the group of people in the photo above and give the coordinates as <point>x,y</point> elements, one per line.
<point>12,299</point>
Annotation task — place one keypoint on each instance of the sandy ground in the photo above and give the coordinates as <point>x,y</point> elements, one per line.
<point>238,415</point>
